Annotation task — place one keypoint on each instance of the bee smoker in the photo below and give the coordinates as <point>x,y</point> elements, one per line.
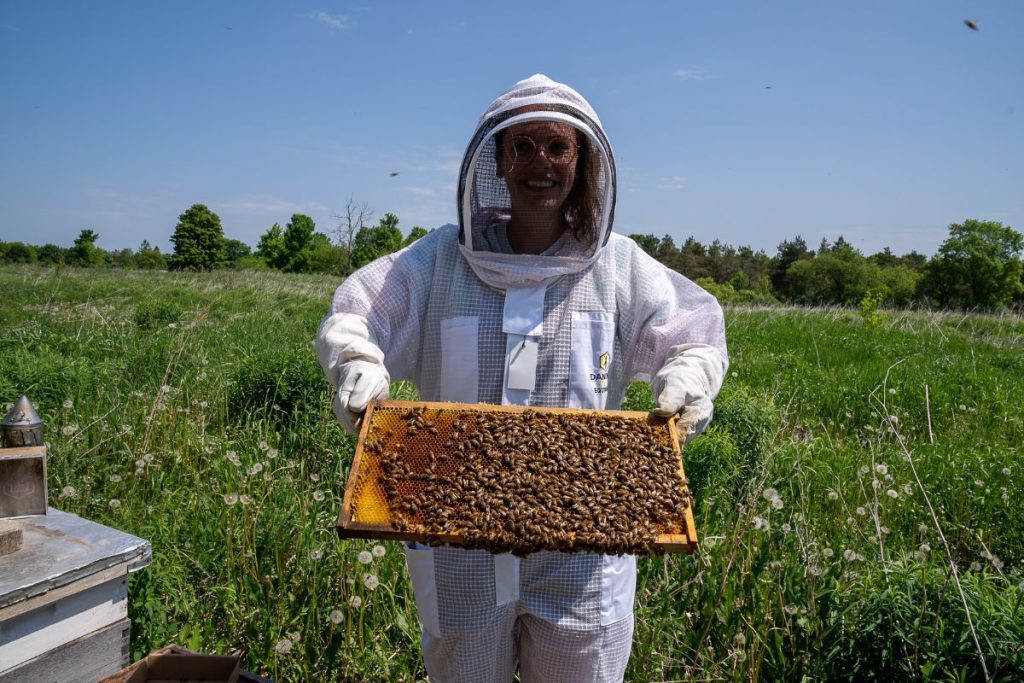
<point>22,462</point>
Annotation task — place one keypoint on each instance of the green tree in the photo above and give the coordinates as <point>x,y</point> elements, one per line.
<point>84,252</point>
<point>51,254</point>
<point>271,247</point>
<point>831,278</point>
<point>149,258</point>
<point>790,251</point>
<point>379,240</point>
<point>234,250</point>
<point>416,233</point>
<point>198,240</point>
<point>978,266</point>
<point>17,252</point>
<point>297,236</point>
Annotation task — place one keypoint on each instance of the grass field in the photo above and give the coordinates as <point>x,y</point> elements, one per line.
<point>857,497</point>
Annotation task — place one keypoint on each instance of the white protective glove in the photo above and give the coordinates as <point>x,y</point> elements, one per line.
<point>354,365</point>
<point>687,383</point>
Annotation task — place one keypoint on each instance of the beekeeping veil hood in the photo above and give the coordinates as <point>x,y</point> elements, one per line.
<point>485,202</point>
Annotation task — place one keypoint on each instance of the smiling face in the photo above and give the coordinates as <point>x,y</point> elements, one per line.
<point>537,161</point>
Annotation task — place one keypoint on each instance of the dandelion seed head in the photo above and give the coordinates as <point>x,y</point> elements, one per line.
<point>316,554</point>
<point>318,496</point>
<point>230,498</point>
<point>882,468</point>
<point>255,469</point>
<point>975,566</point>
<point>786,528</point>
<point>828,552</point>
<point>739,640</point>
<point>770,494</point>
<point>790,609</point>
<point>68,430</point>
<point>962,407</point>
<point>892,494</point>
<point>244,499</point>
<point>283,646</point>
<point>849,555</point>
<point>68,404</point>
<point>114,503</point>
<point>294,636</point>
<point>271,453</point>
<point>365,557</point>
<point>355,602</point>
<point>336,616</point>
<point>922,528</point>
<point>370,581</point>
<point>378,551</point>
<point>777,503</point>
<point>832,495</point>
<point>861,511</point>
<point>875,484</point>
<point>1007,471</point>
<point>114,478</point>
<point>891,391</point>
<point>314,477</point>
<point>864,469</point>
<point>979,483</point>
<point>68,492</point>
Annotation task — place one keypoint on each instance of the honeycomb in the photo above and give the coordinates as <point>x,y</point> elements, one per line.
<point>510,479</point>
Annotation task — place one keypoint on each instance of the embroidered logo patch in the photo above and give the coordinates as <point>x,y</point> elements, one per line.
<point>602,360</point>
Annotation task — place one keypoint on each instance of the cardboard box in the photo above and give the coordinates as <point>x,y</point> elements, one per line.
<point>171,665</point>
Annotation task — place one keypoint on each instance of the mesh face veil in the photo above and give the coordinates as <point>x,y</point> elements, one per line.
<point>537,186</point>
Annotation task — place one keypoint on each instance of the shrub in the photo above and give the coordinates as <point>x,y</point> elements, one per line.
<point>153,314</point>
<point>281,384</point>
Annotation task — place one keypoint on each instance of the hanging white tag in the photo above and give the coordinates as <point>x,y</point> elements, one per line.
<point>522,364</point>
<point>524,311</point>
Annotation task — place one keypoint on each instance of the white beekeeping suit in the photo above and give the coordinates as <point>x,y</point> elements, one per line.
<point>467,320</point>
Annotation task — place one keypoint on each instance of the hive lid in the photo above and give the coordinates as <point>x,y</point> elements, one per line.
<point>22,414</point>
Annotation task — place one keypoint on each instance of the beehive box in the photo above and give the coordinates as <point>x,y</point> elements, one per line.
<point>515,479</point>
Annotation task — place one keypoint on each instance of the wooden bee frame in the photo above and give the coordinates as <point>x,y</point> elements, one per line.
<point>366,514</point>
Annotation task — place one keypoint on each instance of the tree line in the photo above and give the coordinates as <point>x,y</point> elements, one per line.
<point>978,266</point>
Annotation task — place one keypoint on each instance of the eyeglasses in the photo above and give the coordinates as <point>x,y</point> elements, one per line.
<point>559,150</point>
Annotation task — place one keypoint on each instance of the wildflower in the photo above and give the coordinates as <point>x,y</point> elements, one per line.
<point>832,495</point>
<point>165,389</point>
<point>740,655</point>
<point>140,464</point>
<point>892,391</point>
<point>1007,471</point>
<point>203,404</point>
<point>786,528</point>
<point>172,326</point>
<point>283,646</point>
<point>271,453</point>
<point>355,602</point>
<point>739,640</point>
<point>68,430</point>
<point>336,616</point>
<point>148,457</point>
<point>893,419</point>
<point>975,566</point>
<point>318,496</point>
<point>861,511</point>
<point>316,554</point>
<point>814,570</point>
<point>925,548</point>
<point>378,551</point>
<point>996,562</point>
<point>979,483</point>
<point>370,581</point>
<point>864,469</point>
<point>777,503</point>
<point>365,557</point>
<point>263,445</point>
<point>233,457</point>
<point>922,528</point>
<point>761,523</point>
<point>230,498</point>
<point>875,484</point>
<point>907,489</point>
<point>849,555</point>
<point>790,609</point>
<point>882,468</point>
<point>68,492</point>
<point>244,499</point>
<point>68,404</point>
<point>255,469</point>
<point>114,503</point>
<point>115,478</point>
<point>850,521</point>
<point>884,530</point>
<point>892,494</point>
<point>827,552</point>
<point>770,494</point>
<point>314,477</point>
<point>962,407</point>
<point>294,636</point>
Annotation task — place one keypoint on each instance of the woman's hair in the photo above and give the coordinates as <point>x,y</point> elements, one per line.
<point>582,207</point>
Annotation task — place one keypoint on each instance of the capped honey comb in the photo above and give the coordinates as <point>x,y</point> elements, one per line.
<point>515,479</point>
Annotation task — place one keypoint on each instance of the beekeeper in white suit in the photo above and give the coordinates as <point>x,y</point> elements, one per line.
<point>531,301</point>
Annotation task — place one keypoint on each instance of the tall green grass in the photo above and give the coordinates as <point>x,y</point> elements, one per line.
<point>189,410</point>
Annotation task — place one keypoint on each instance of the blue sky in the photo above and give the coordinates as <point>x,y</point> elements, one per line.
<point>884,121</point>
